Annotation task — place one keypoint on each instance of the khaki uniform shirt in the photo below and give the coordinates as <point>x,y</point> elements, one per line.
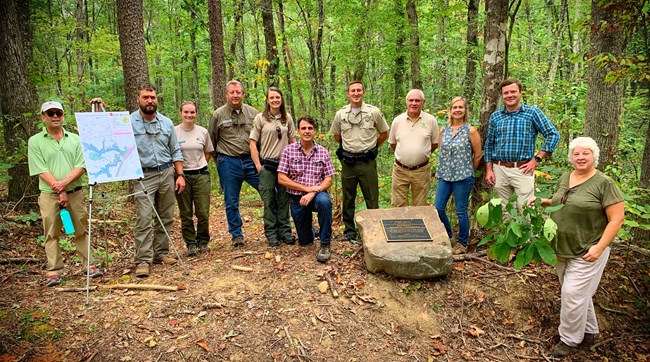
<point>359,132</point>
<point>413,138</point>
<point>265,132</point>
<point>195,143</point>
<point>229,129</point>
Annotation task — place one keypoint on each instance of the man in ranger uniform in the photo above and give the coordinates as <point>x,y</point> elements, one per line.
<point>360,129</point>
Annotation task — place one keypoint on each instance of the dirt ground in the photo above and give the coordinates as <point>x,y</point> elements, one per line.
<point>482,311</point>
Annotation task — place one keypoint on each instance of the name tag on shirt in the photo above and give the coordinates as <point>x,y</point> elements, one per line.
<point>227,123</point>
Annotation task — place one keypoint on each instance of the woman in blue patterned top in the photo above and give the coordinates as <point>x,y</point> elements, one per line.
<point>459,156</point>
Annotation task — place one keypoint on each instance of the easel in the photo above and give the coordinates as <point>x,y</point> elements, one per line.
<point>95,108</point>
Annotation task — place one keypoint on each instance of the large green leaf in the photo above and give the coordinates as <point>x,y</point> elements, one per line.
<point>547,253</point>
<point>500,251</point>
<point>550,229</point>
<point>552,209</point>
<point>487,238</point>
<point>483,214</point>
<point>523,257</point>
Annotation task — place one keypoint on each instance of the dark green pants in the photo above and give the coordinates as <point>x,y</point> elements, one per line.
<point>363,174</point>
<point>195,200</point>
<point>276,206</point>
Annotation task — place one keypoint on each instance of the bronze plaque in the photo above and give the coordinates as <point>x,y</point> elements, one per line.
<point>405,230</point>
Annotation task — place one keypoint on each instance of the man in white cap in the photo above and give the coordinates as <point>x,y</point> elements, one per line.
<point>55,155</point>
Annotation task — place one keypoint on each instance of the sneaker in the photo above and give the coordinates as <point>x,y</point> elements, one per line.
<point>142,271</point>
<point>352,238</point>
<point>459,249</point>
<point>95,272</point>
<point>191,250</point>
<point>562,350</point>
<point>323,253</point>
<point>237,242</point>
<point>166,260</point>
<point>53,280</point>
<point>289,239</point>
<point>273,241</point>
<point>587,341</point>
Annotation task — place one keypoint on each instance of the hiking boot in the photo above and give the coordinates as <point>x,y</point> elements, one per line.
<point>166,260</point>
<point>459,249</point>
<point>95,272</point>
<point>587,341</point>
<point>289,239</point>
<point>191,250</point>
<point>352,238</point>
<point>53,280</point>
<point>142,271</point>
<point>323,254</point>
<point>237,242</point>
<point>273,241</point>
<point>203,248</point>
<point>561,349</point>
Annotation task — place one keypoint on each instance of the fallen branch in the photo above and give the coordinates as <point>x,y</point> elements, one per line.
<point>214,305</point>
<point>356,252</point>
<point>335,294</point>
<point>462,257</point>
<point>614,310</point>
<point>626,244</point>
<point>242,268</point>
<point>19,261</point>
<point>531,340</point>
<point>144,287</point>
<point>76,289</point>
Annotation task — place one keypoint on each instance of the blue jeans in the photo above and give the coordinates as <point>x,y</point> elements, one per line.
<point>321,204</point>
<point>461,190</point>
<point>233,171</point>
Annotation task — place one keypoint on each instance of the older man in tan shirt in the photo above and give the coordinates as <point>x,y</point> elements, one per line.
<point>413,137</point>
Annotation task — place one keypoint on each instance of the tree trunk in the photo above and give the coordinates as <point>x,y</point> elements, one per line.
<point>80,33</point>
<point>236,38</point>
<point>604,98</point>
<point>270,42</point>
<point>442,79</point>
<point>493,69</point>
<point>218,84</point>
<point>471,49</point>
<point>512,16</point>
<point>130,25</point>
<point>400,59</point>
<point>17,97</point>
<point>411,12</point>
<point>286,59</point>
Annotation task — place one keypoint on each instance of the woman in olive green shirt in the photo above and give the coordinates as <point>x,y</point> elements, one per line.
<point>592,215</point>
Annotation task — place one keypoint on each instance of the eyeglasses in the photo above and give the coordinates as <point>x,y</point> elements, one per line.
<point>278,130</point>
<point>565,196</point>
<point>152,133</point>
<point>51,113</point>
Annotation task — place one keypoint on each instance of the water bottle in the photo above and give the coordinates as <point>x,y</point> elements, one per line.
<point>68,226</point>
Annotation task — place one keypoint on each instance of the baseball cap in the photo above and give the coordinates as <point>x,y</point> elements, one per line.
<point>51,105</point>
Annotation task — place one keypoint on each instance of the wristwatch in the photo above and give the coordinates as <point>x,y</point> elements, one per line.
<point>538,159</point>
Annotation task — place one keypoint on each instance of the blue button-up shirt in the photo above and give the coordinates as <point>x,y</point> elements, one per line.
<point>156,140</point>
<point>511,135</point>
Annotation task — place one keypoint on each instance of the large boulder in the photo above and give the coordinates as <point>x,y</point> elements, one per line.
<point>405,259</point>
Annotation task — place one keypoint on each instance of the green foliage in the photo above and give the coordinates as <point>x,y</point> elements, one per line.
<point>528,233</point>
<point>28,218</point>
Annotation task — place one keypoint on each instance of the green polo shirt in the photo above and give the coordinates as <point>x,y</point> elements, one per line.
<point>45,154</point>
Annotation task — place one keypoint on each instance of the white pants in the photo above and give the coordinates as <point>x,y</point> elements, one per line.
<point>579,280</point>
<point>511,180</point>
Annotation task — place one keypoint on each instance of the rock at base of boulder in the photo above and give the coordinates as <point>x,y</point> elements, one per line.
<point>405,259</point>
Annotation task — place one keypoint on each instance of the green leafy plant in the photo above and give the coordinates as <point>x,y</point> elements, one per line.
<point>528,233</point>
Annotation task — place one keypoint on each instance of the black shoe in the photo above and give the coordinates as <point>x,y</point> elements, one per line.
<point>323,254</point>
<point>191,250</point>
<point>288,239</point>
<point>238,242</point>
<point>273,241</point>
<point>562,349</point>
<point>203,248</point>
<point>587,341</point>
<point>352,238</point>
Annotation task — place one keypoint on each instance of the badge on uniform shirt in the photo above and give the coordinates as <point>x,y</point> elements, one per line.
<point>181,141</point>
<point>227,123</point>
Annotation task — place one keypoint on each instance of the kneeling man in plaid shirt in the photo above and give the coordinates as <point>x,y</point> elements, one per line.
<point>306,171</point>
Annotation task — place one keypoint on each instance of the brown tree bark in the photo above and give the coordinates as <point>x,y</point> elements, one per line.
<point>441,80</point>
<point>237,38</point>
<point>512,15</point>
<point>270,41</point>
<point>400,59</point>
<point>286,59</point>
<point>130,25</point>
<point>80,33</point>
<point>218,83</point>
<point>471,49</point>
<point>412,14</point>
<point>604,102</point>
<point>17,98</point>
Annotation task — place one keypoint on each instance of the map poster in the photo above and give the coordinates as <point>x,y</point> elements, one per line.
<point>109,146</point>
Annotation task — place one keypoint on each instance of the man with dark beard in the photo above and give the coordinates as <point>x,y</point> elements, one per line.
<point>159,150</point>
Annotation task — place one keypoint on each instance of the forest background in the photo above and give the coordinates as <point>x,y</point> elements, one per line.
<point>583,63</point>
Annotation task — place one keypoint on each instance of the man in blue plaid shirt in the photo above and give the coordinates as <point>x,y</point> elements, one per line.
<point>510,158</point>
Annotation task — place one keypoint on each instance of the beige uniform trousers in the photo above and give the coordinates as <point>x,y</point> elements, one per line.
<point>511,180</point>
<point>579,280</point>
<point>49,206</point>
<point>419,181</point>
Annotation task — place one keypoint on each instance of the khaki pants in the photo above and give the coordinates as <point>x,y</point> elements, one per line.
<point>49,206</point>
<point>579,280</point>
<point>418,181</point>
<point>511,180</point>
<point>150,238</point>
